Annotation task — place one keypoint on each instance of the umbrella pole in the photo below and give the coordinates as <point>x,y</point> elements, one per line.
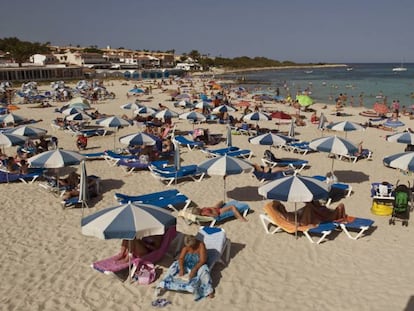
<point>296,223</point>
<point>129,260</point>
<point>224,194</point>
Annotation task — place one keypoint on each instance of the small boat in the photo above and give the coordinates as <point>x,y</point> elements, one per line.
<point>309,71</point>
<point>349,69</point>
<point>399,69</point>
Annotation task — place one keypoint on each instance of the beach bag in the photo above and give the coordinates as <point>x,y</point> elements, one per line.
<point>145,272</point>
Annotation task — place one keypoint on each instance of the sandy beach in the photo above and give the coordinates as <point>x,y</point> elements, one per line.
<point>46,259</point>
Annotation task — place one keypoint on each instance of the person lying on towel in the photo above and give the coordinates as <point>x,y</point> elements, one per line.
<point>312,213</point>
<point>217,210</point>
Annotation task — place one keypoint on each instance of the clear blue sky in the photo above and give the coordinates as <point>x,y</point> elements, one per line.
<point>342,31</point>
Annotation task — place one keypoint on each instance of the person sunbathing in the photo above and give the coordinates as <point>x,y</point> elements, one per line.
<point>312,213</point>
<point>139,247</point>
<point>217,210</point>
<point>267,169</point>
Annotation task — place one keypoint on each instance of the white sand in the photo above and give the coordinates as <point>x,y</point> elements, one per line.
<point>45,259</point>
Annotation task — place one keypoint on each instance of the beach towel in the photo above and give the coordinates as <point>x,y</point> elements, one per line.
<point>200,285</point>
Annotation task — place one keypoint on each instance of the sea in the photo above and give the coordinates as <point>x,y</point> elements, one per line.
<point>362,82</point>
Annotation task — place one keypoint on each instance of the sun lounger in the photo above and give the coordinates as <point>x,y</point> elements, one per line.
<point>220,151</point>
<point>335,187</point>
<point>29,178</point>
<point>360,225</point>
<point>111,265</point>
<point>299,147</point>
<point>131,165</point>
<point>242,207</point>
<point>273,218</point>
<point>262,176</point>
<point>190,144</point>
<point>94,155</point>
<point>231,152</point>
<point>169,174</point>
<point>271,161</point>
<point>365,154</point>
<point>112,158</point>
<point>168,198</point>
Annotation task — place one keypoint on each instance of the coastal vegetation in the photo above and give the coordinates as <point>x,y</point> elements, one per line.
<point>20,51</point>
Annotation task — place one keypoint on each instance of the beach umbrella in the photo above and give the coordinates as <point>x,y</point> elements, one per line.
<point>145,111</point>
<point>69,111</point>
<point>79,102</point>
<point>79,117</point>
<point>184,103</point>
<point>11,118</point>
<point>291,132</point>
<point>256,116</point>
<point>393,123</point>
<point>281,115</point>
<point>28,131</point>
<point>333,144</point>
<point>229,138</point>
<point>322,121</point>
<point>9,139</point>
<point>380,108</point>
<point>403,161</point>
<point>402,138</point>
<point>345,126</point>
<point>177,158</point>
<point>55,159</point>
<point>295,189</point>
<point>166,113</point>
<point>202,105</point>
<point>193,116</point>
<point>223,108</point>
<point>131,106</point>
<point>139,139</point>
<point>270,139</point>
<point>224,166</point>
<point>113,122</point>
<point>304,100</point>
<point>136,91</point>
<point>83,186</point>
<point>127,222</point>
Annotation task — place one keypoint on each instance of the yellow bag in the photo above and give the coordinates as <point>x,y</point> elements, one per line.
<point>381,208</point>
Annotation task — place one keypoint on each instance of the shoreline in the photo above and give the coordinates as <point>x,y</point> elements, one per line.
<point>217,71</point>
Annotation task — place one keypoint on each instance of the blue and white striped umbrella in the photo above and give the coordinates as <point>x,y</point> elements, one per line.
<point>193,116</point>
<point>270,139</point>
<point>11,118</point>
<point>145,111</point>
<point>132,106</point>
<point>404,161</point>
<point>333,144</point>
<point>224,166</point>
<point>79,117</point>
<point>69,111</point>
<point>166,113</point>
<point>202,105</point>
<point>393,123</point>
<point>345,126</point>
<point>136,91</point>
<point>28,131</point>
<point>256,116</point>
<point>55,159</point>
<point>223,108</point>
<point>295,188</point>
<point>139,139</point>
<point>402,138</point>
<point>128,221</point>
<point>9,139</point>
<point>113,121</point>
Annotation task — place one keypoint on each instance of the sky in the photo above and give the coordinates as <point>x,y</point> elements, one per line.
<point>327,31</point>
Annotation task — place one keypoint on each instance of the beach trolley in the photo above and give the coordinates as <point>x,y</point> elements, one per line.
<point>382,198</point>
<point>402,204</point>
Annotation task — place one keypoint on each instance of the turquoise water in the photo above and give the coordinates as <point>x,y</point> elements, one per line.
<point>325,84</point>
